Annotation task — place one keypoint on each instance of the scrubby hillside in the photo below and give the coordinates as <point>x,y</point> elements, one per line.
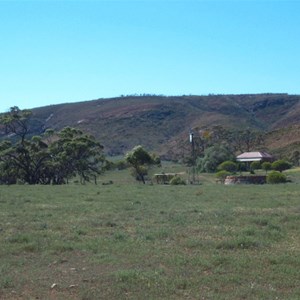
<point>157,122</point>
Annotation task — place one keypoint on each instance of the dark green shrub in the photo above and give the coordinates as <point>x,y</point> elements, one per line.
<point>281,165</point>
<point>255,165</point>
<point>276,177</point>
<point>176,180</point>
<point>267,166</point>
<point>228,166</point>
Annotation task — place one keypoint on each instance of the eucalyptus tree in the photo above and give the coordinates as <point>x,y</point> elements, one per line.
<point>48,158</point>
<point>76,153</point>
<point>140,160</point>
<point>25,157</point>
<point>246,140</point>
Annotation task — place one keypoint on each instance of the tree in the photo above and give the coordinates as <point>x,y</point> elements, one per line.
<point>295,158</point>
<point>281,165</point>
<point>267,166</point>
<point>43,160</point>
<point>76,153</point>
<point>140,160</point>
<point>26,157</point>
<point>246,140</point>
<point>16,122</point>
<point>213,156</point>
<point>255,165</point>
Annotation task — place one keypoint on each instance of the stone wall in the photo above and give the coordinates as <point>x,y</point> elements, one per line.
<point>251,179</point>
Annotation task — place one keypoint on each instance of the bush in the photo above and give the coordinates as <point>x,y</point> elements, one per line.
<point>177,181</point>
<point>255,165</point>
<point>276,177</point>
<point>228,166</point>
<point>281,165</point>
<point>267,166</point>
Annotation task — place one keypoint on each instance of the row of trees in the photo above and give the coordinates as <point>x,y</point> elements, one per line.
<point>50,158</point>
<point>278,165</point>
<point>229,167</point>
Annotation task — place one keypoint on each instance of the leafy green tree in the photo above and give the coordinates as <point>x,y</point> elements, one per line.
<point>44,160</point>
<point>267,166</point>
<point>140,160</point>
<point>26,157</point>
<point>16,122</point>
<point>76,153</point>
<point>255,165</point>
<point>213,156</point>
<point>281,165</point>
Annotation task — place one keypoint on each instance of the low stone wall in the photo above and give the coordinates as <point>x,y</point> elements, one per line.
<point>251,179</point>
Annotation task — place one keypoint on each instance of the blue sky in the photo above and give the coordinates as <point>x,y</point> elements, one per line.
<point>67,51</point>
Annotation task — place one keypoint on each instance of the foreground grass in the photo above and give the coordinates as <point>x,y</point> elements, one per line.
<point>129,241</point>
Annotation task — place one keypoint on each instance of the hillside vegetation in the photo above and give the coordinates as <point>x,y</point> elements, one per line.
<point>161,123</point>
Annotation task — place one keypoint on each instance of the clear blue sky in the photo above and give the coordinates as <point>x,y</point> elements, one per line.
<point>67,51</point>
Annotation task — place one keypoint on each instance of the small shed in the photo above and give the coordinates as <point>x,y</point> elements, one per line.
<point>254,156</point>
<point>164,178</point>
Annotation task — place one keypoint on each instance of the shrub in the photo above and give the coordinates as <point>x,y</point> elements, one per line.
<point>276,177</point>
<point>255,165</point>
<point>267,166</point>
<point>281,165</point>
<point>176,180</point>
<point>228,166</point>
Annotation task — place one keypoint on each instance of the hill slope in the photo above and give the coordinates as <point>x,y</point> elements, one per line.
<point>157,121</point>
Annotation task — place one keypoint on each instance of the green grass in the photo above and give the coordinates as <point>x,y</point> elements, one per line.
<point>134,241</point>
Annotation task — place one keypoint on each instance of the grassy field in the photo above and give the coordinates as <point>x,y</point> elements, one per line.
<point>132,241</point>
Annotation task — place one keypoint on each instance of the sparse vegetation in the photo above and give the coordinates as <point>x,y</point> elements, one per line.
<point>123,240</point>
<point>168,119</point>
<point>134,241</point>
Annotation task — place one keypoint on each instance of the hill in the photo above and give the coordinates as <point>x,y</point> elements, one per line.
<point>160,122</point>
